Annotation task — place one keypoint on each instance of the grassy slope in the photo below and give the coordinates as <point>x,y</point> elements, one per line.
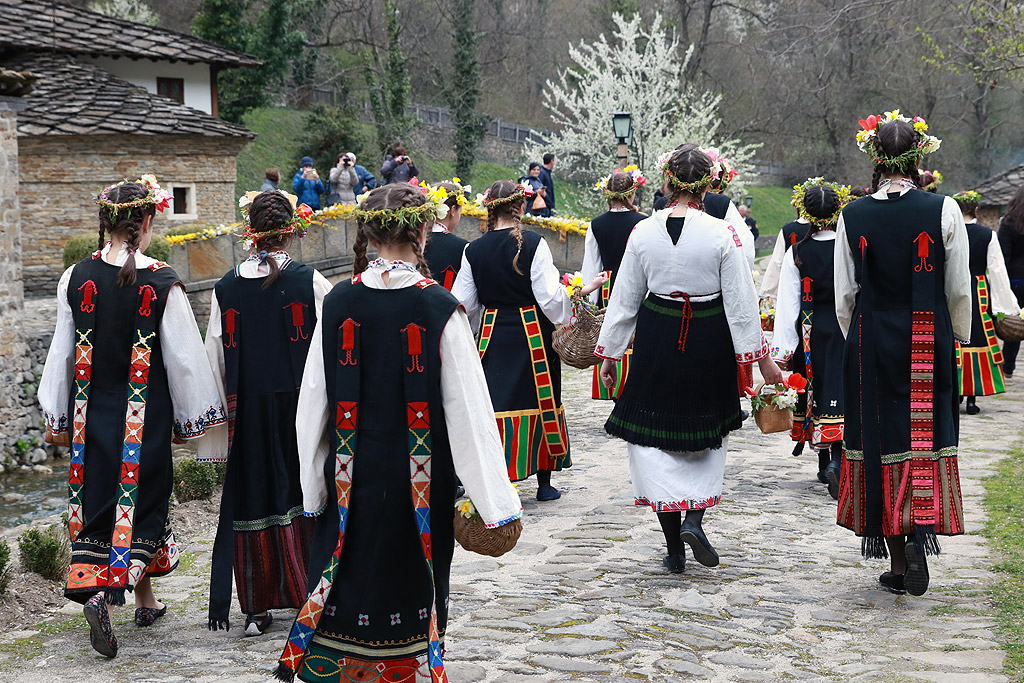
<point>771,207</point>
<point>278,135</point>
<point>1005,529</point>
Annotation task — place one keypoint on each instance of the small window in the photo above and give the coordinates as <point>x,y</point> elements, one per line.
<point>171,88</point>
<point>183,204</point>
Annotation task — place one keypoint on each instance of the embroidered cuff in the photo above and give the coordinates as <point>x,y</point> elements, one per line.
<point>505,521</point>
<point>748,357</point>
<point>600,353</point>
<point>781,354</point>
<point>319,511</point>
<point>193,429</point>
<point>56,425</point>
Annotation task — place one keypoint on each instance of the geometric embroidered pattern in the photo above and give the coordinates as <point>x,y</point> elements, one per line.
<point>76,478</point>
<point>922,470</point>
<point>542,378</point>
<point>487,329</point>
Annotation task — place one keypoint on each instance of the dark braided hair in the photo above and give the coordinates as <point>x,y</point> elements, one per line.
<point>126,223</point>
<point>689,164</point>
<point>617,183</point>
<point>512,210</point>
<point>270,210</point>
<point>893,139</point>
<point>393,196</point>
<point>820,201</point>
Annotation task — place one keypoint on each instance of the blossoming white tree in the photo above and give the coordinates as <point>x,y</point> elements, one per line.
<point>638,71</point>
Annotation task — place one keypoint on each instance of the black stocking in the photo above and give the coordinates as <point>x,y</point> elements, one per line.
<point>670,522</point>
<point>694,518</point>
<point>543,478</point>
<point>823,458</point>
<point>837,451</point>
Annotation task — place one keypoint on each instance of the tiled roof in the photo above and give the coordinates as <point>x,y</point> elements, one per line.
<point>44,25</point>
<point>78,98</point>
<point>999,189</point>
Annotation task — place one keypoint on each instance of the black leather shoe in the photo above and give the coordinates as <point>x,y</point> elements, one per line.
<point>832,478</point>
<point>702,550</point>
<point>675,564</point>
<point>744,415</point>
<point>916,580</point>
<point>972,406</point>
<point>893,583</point>
<point>821,477</point>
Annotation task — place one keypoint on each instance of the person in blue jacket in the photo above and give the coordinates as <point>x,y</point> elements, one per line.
<point>367,181</point>
<point>307,184</point>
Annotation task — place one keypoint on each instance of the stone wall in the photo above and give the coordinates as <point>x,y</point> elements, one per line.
<point>59,175</point>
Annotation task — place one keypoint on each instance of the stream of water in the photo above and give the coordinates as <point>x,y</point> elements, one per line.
<point>27,496</point>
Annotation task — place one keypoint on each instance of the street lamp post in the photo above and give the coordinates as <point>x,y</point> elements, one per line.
<point>622,127</point>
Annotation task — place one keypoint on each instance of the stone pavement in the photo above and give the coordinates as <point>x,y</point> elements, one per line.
<point>584,595</point>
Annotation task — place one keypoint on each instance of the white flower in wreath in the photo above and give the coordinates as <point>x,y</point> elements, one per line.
<point>396,619</point>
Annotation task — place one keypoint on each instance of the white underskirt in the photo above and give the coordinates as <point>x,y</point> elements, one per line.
<point>672,480</point>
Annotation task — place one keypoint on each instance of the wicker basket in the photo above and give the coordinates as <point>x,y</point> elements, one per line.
<point>477,538</point>
<point>575,342</point>
<point>772,419</point>
<point>768,323</point>
<point>1010,328</point>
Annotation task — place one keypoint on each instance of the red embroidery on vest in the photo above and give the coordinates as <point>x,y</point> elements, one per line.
<point>792,238</point>
<point>158,266</point>
<point>89,292</point>
<point>356,279</point>
<point>863,246</point>
<point>148,295</point>
<point>922,252</point>
<point>414,337</point>
<point>449,278</point>
<point>425,282</point>
<point>298,320</point>
<point>807,289</point>
<point>230,317</point>
<point>348,341</point>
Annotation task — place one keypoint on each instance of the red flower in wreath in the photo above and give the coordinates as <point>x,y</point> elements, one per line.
<point>304,211</point>
<point>870,123</point>
<point>796,381</point>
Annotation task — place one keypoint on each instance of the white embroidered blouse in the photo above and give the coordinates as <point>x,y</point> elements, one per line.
<point>773,269</point>
<point>785,341</point>
<point>705,263</point>
<point>192,385</point>
<point>477,452</point>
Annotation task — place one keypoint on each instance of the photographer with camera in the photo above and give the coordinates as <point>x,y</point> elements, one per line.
<point>398,167</point>
<point>344,180</point>
<point>307,184</point>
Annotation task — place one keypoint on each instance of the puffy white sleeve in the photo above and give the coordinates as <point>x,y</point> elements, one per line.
<point>959,283</point>
<point>311,416</point>
<point>464,290</point>
<point>845,278</point>
<point>215,447</point>
<point>547,288</point>
<point>321,286</point>
<point>733,217</point>
<point>770,279</point>
<point>627,296</point>
<point>55,384</point>
<point>476,447</point>
<point>785,341</point>
<point>1001,298</point>
<point>592,263</point>
<point>198,407</point>
<point>741,309</point>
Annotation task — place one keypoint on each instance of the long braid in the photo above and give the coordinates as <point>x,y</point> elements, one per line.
<point>412,235</point>
<point>359,249</point>
<point>876,178</point>
<point>103,240</point>
<point>512,210</point>
<point>128,275</point>
<point>517,234</point>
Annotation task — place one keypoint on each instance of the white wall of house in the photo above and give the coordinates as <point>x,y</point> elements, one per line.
<point>144,72</point>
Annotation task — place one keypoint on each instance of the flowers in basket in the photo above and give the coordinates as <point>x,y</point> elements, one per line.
<point>783,395</point>
<point>468,510</point>
<point>581,304</point>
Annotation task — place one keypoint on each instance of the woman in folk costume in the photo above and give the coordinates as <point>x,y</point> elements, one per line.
<point>685,289</point>
<point>980,363</point>
<point>602,252</point>
<point>393,404</point>
<point>903,292</point>
<point>508,276</point>
<point>127,354</point>
<point>718,204</point>
<point>807,327</point>
<point>930,181</point>
<point>443,252</point>
<point>262,316</point>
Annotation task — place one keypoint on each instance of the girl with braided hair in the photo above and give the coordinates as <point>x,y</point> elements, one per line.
<point>124,374</point>
<point>393,405</point>
<point>903,297</point>
<point>602,252</point>
<point>443,251</point>
<point>684,288</point>
<point>509,279</point>
<point>807,327</point>
<point>262,315</point>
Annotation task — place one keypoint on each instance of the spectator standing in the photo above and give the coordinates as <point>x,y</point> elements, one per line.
<point>344,181</point>
<point>537,205</point>
<point>749,220</point>
<point>307,184</point>
<point>367,181</point>
<point>273,180</point>
<point>398,167</point>
<point>1011,242</point>
<point>549,183</point>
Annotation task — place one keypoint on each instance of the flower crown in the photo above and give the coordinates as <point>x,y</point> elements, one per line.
<point>799,191</point>
<point>867,139</point>
<point>967,198</point>
<point>155,195</point>
<point>725,170</point>
<point>433,209</point>
<point>460,192</point>
<point>936,180</point>
<point>522,190</point>
<point>694,187</point>
<point>302,218</point>
<point>637,178</point>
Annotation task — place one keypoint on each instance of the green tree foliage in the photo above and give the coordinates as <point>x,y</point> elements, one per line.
<point>330,131</point>
<point>463,88</point>
<point>389,88</point>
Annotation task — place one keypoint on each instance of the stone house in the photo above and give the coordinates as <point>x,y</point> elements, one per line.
<point>113,99</point>
<point>996,193</point>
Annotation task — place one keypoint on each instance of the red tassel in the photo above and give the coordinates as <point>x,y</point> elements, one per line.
<point>298,320</point>
<point>807,289</point>
<point>863,246</point>
<point>348,341</point>
<point>148,297</point>
<point>89,292</point>
<point>414,340</point>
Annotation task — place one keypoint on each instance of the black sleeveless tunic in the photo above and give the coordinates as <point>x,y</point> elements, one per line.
<point>443,255</point>
<point>611,231</point>
<point>119,489</point>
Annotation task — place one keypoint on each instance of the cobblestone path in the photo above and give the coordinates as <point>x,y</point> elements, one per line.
<point>584,595</point>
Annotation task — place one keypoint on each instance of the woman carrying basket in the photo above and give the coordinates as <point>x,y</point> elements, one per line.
<point>508,276</point>
<point>684,287</point>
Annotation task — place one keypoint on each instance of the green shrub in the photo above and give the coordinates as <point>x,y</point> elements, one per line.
<point>5,566</point>
<point>194,480</point>
<point>82,246</point>
<point>45,552</point>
